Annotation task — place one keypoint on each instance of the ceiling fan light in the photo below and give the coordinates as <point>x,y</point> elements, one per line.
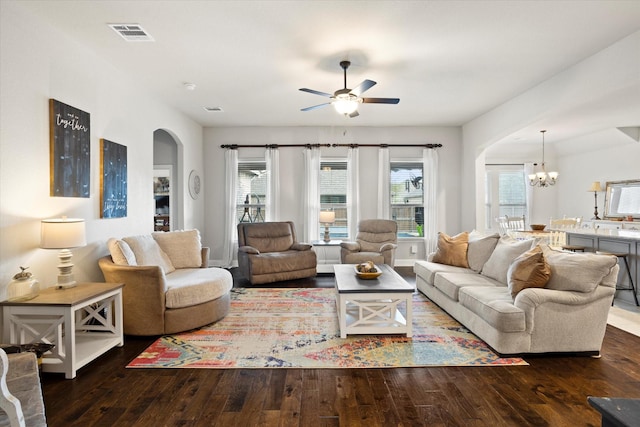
<point>345,104</point>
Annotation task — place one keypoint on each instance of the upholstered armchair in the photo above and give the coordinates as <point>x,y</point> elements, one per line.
<point>269,252</point>
<point>376,241</point>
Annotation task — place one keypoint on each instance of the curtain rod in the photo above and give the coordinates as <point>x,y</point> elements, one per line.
<point>236,146</point>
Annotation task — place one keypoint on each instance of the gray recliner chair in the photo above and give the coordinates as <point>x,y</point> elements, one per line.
<point>269,252</point>
<point>376,241</point>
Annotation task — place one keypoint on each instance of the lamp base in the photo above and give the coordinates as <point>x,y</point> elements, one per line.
<point>327,236</point>
<point>65,273</point>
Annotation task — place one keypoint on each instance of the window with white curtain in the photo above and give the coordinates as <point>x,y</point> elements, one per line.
<point>407,197</point>
<point>333,196</point>
<point>251,191</point>
<point>505,193</point>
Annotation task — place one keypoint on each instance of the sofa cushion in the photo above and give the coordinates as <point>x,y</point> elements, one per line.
<point>503,255</point>
<point>148,252</point>
<point>427,270</point>
<point>480,249</point>
<point>452,250</point>
<point>529,270</point>
<point>495,306</point>
<point>580,272</point>
<point>192,286</point>
<point>121,253</point>
<point>450,283</point>
<point>183,248</point>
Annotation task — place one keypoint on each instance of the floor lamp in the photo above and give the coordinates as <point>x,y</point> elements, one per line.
<point>595,187</point>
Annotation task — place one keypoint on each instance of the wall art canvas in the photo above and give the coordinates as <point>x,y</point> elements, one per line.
<point>70,150</point>
<point>113,180</point>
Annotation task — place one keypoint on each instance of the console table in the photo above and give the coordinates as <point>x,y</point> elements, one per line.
<point>82,322</point>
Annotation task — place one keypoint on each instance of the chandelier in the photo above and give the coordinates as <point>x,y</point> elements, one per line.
<point>542,178</point>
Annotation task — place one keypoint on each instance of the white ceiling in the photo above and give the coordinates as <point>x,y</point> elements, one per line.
<point>447,61</point>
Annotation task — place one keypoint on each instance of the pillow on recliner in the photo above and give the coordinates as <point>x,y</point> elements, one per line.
<point>452,250</point>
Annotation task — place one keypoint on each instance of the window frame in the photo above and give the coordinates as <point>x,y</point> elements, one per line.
<point>340,228</point>
<point>254,212</point>
<point>414,232</point>
<point>492,190</point>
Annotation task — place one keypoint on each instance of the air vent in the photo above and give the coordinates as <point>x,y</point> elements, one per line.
<point>213,109</point>
<point>132,32</point>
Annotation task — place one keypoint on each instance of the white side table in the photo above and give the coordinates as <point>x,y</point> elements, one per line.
<point>82,322</point>
<point>328,254</point>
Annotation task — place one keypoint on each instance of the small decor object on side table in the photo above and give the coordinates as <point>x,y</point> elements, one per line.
<point>23,287</point>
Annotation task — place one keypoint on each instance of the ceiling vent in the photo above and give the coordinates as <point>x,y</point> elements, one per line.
<point>132,32</point>
<point>213,109</point>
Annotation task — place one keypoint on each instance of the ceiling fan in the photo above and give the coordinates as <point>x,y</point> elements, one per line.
<point>345,100</point>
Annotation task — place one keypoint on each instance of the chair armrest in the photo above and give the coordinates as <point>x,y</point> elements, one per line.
<point>388,247</point>
<point>351,246</point>
<point>301,247</point>
<point>249,250</point>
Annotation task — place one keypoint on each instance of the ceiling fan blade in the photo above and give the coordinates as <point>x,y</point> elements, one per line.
<point>315,107</point>
<point>315,92</point>
<point>362,87</point>
<point>354,114</point>
<point>380,100</point>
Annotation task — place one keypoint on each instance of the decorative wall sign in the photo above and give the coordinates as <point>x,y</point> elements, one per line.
<point>69,151</point>
<point>194,184</point>
<point>113,180</point>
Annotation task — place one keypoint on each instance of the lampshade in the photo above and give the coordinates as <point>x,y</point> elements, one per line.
<point>327,217</point>
<point>595,186</point>
<point>62,233</point>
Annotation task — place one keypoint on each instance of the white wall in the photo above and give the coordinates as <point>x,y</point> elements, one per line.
<point>292,169</point>
<point>43,64</point>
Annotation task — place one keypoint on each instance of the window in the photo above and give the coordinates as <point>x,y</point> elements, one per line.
<point>407,198</point>
<point>333,196</point>
<point>251,191</point>
<point>505,192</point>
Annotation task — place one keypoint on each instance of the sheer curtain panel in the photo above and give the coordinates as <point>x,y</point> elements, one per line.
<point>384,196</point>
<point>229,237</point>
<point>353,195</point>
<point>272,159</point>
<point>430,182</point>
<point>311,199</point>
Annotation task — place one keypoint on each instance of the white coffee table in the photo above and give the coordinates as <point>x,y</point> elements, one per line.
<point>373,306</point>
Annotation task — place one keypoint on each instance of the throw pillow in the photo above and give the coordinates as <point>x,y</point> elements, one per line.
<point>121,253</point>
<point>183,247</point>
<point>452,250</point>
<point>480,249</point>
<point>529,270</point>
<point>503,255</point>
<point>580,272</point>
<point>148,252</point>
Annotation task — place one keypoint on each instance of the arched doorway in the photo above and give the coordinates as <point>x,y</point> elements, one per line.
<point>166,181</point>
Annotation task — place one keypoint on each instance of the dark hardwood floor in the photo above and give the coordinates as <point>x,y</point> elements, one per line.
<point>552,391</point>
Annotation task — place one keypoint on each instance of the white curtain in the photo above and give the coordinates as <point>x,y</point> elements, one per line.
<point>430,183</point>
<point>311,206</point>
<point>529,169</point>
<point>353,196</point>
<point>230,237</point>
<point>272,159</point>
<point>384,192</point>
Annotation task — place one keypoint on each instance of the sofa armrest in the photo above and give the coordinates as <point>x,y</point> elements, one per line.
<point>350,246</point>
<point>249,250</point>
<point>205,251</point>
<point>143,295</point>
<point>301,247</point>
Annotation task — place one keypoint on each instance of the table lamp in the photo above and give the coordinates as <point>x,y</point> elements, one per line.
<point>326,218</point>
<point>64,234</point>
<point>595,187</point>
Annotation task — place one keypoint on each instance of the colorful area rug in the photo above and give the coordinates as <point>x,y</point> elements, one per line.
<point>298,328</point>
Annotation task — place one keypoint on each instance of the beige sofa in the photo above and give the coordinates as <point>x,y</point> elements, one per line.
<point>568,314</point>
<point>168,285</point>
<point>270,252</point>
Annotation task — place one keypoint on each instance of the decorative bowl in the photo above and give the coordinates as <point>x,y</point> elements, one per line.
<point>537,227</point>
<point>371,275</point>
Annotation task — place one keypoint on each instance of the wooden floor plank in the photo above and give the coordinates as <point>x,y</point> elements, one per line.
<point>551,391</point>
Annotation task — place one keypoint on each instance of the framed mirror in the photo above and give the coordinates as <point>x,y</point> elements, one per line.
<point>622,200</point>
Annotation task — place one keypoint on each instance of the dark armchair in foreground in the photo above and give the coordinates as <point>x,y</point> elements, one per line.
<point>269,252</point>
<point>376,241</point>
